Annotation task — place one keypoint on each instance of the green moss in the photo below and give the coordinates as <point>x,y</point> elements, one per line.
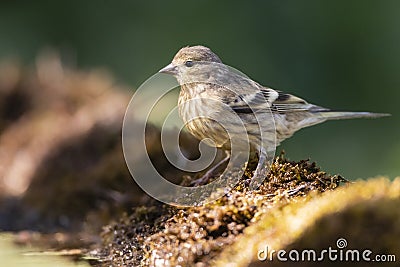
<point>365,213</point>
<point>171,236</point>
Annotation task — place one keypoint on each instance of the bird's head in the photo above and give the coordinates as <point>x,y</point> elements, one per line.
<point>188,59</point>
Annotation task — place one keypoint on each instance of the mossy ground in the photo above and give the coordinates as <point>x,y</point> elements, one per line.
<point>364,213</point>
<point>162,235</point>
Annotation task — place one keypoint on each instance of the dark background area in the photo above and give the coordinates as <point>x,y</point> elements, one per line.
<point>338,54</point>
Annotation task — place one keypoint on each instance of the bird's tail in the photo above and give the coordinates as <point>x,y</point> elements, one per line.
<point>320,115</point>
<point>339,115</point>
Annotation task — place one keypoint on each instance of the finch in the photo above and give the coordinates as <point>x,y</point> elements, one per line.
<point>262,110</point>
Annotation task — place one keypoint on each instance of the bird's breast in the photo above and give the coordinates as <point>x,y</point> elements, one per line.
<point>200,113</point>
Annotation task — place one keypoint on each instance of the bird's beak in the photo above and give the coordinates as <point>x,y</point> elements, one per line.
<point>169,69</point>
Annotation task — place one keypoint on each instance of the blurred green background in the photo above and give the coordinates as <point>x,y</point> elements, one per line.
<point>338,54</point>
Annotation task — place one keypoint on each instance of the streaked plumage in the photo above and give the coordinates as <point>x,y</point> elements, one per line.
<point>202,76</point>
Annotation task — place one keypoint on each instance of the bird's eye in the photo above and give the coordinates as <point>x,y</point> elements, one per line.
<point>189,63</point>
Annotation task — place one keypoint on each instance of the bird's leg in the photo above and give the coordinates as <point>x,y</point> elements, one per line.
<point>261,169</point>
<point>211,172</point>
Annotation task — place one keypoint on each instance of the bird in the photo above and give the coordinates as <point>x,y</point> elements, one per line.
<point>210,88</point>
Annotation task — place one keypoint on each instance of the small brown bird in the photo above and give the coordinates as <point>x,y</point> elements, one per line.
<point>211,91</point>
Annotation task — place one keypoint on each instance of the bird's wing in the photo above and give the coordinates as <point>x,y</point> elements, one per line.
<point>252,101</point>
<point>290,103</point>
<point>265,98</point>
